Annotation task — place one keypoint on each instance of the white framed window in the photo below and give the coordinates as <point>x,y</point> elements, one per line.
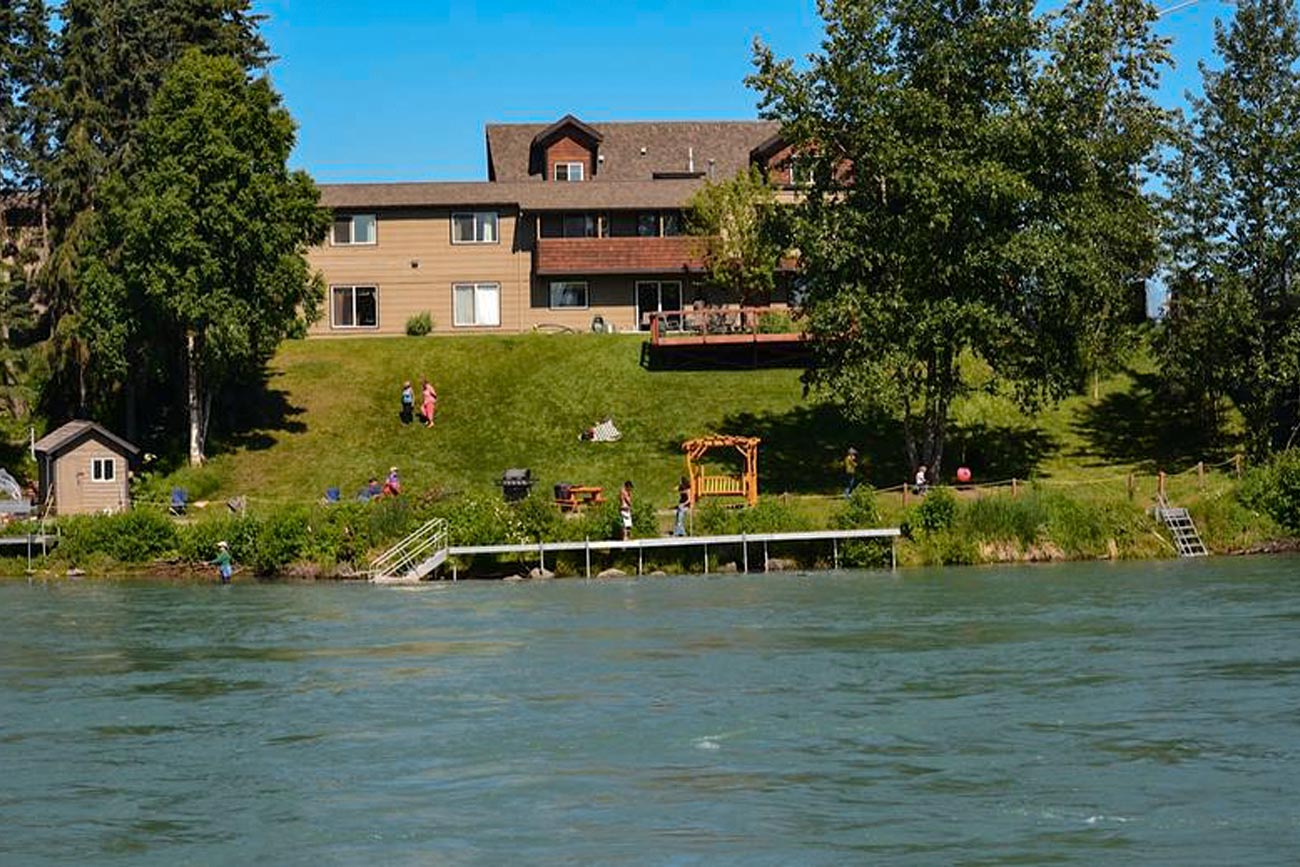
<point>479,227</point>
<point>103,469</point>
<point>569,171</point>
<point>801,171</point>
<point>476,304</point>
<point>568,295</point>
<point>354,306</point>
<point>353,229</point>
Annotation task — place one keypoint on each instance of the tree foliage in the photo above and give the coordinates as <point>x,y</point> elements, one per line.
<point>1233,232</point>
<point>976,190</point>
<point>199,250</point>
<point>738,231</point>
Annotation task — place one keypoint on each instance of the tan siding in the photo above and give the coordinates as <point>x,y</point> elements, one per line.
<point>423,236</point>
<point>75,490</point>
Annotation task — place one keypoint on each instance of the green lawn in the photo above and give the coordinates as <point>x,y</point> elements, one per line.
<point>329,417</point>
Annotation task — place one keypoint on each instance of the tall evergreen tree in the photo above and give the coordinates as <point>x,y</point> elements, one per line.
<point>1234,228</point>
<point>976,192</point>
<point>113,55</point>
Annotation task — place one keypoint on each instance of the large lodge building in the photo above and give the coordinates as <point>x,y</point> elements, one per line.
<point>576,223</point>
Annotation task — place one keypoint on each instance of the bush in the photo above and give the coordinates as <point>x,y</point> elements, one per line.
<point>128,537</point>
<point>538,519</point>
<point>1274,489</point>
<point>283,538</point>
<point>775,322</point>
<point>771,515</point>
<point>937,511</point>
<point>860,512</point>
<point>197,542</point>
<point>419,325</point>
<point>714,519</point>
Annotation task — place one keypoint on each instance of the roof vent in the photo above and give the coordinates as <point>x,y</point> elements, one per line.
<point>690,159</point>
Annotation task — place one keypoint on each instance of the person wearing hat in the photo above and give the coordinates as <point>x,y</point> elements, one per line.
<point>222,562</point>
<point>850,472</point>
<point>393,486</point>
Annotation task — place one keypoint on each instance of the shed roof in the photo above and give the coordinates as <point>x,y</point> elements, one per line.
<point>73,432</point>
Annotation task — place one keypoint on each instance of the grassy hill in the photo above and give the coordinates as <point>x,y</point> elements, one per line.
<point>329,417</point>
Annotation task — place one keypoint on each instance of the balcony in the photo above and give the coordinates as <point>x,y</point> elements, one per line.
<point>671,255</point>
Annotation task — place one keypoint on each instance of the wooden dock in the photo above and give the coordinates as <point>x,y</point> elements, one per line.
<point>744,540</point>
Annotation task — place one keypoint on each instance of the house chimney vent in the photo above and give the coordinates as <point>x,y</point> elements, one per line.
<point>690,159</point>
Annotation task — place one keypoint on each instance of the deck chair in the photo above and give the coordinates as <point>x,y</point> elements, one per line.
<point>180,500</point>
<point>332,495</point>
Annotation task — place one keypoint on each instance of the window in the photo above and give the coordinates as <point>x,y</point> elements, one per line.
<point>568,171</point>
<point>352,229</point>
<point>354,306</point>
<point>479,227</point>
<point>568,293</point>
<point>569,225</point>
<point>647,225</point>
<point>476,304</point>
<point>672,224</point>
<point>801,170</point>
<point>103,469</point>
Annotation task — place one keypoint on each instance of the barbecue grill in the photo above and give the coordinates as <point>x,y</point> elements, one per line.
<point>516,483</point>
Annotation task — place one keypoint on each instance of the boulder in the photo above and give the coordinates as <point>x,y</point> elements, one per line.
<point>537,573</point>
<point>612,573</point>
<point>777,564</point>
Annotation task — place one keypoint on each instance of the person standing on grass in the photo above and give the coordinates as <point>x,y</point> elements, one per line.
<point>408,403</point>
<point>850,472</point>
<point>683,506</point>
<point>222,562</point>
<point>625,509</point>
<point>430,396</point>
<point>922,483</point>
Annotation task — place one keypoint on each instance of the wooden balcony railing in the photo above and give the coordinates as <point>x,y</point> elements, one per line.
<point>723,325</point>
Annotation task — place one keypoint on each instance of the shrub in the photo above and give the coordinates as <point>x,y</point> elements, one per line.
<point>419,325</point>
<point>775,322</point>
<point>714,519</point>
<point>604,521</point>
<point>771,515</point>
<point>128,537</point>
<point>1274,489</point>
<point>281,539</point>
<point>539,519</point>
<point>197,542</point>
<point>481,520</point>
<point>861,511</point>
<point>937,511</point>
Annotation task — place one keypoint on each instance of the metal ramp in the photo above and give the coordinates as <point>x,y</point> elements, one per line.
<point>1187,540</point>
<point>414,558</point>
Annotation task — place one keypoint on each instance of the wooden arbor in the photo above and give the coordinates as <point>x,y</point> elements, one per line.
<point>744,485</point>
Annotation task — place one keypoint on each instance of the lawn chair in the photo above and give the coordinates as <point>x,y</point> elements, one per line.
<point>331,496</point>
<point>180,501</point>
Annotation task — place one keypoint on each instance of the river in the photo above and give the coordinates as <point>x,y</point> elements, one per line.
<point>1142,713</point>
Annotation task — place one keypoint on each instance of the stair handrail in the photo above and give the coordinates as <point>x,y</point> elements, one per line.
<point>401,555</point>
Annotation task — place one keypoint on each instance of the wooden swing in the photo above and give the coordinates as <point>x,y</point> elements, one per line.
<point>744,485</point>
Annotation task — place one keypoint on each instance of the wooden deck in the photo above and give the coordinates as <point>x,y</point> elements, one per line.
<point>720,326</point>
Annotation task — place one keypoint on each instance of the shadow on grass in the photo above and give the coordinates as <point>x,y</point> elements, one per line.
<point>1147,426</point>
<point>803,449</point>
<point>249,418</point>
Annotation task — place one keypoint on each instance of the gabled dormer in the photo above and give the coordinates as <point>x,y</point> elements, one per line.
<point>779,163</point>
<point>565,151</point>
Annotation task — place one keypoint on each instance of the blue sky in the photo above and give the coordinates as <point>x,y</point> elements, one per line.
<point>401,89</point>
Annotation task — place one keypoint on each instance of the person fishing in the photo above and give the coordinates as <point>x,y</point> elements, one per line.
<point>222,562</point>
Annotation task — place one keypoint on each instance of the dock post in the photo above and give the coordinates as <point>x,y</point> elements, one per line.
<point>706,558</point>
<point>541,555</point>
<point>640,559</point>
<point>588,551</point>
<point>744,547</point>
<point>765,555</point>
<point>893,552</point>
<point>835,553</point>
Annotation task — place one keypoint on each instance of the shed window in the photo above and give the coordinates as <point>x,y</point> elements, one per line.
<point>103,469</point>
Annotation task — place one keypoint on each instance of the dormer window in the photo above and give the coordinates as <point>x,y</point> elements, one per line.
<point>569,171</point>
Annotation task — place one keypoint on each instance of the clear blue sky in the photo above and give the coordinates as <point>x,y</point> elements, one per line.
<point>401,89</point>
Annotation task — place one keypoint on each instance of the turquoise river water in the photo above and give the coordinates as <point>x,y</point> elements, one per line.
<point>1079,714</point>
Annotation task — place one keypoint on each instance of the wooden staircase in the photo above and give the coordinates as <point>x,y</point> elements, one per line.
<point>1187,540</point>
<point>414,558</point>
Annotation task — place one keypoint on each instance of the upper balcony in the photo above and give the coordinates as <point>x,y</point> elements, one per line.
<point>650,255</point>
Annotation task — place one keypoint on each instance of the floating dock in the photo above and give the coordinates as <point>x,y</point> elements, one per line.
<point>744,540</point>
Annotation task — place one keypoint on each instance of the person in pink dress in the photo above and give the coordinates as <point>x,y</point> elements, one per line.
<point>430,403</point>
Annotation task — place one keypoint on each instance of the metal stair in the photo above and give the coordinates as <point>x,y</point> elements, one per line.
<point>1186,537</point>
<point>414,558</point>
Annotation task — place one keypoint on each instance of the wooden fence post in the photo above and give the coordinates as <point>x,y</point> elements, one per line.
<point>1130,486</point>
<point>1236,461</point>
<point>904,495</point>
<point>1160,485</point>
<point>1200,475</point>
<point>1015,487</point>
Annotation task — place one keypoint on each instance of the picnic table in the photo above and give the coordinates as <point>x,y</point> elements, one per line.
<point>579,497</point>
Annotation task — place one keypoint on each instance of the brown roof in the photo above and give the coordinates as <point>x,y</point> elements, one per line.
<point>74,431</point>
<point>668,146</point>
<point>527,195</point>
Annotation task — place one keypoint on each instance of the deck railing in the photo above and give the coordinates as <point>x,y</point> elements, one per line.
<point>723,325</point>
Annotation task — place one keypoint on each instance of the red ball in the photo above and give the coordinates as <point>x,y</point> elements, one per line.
<point>963,474</point>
